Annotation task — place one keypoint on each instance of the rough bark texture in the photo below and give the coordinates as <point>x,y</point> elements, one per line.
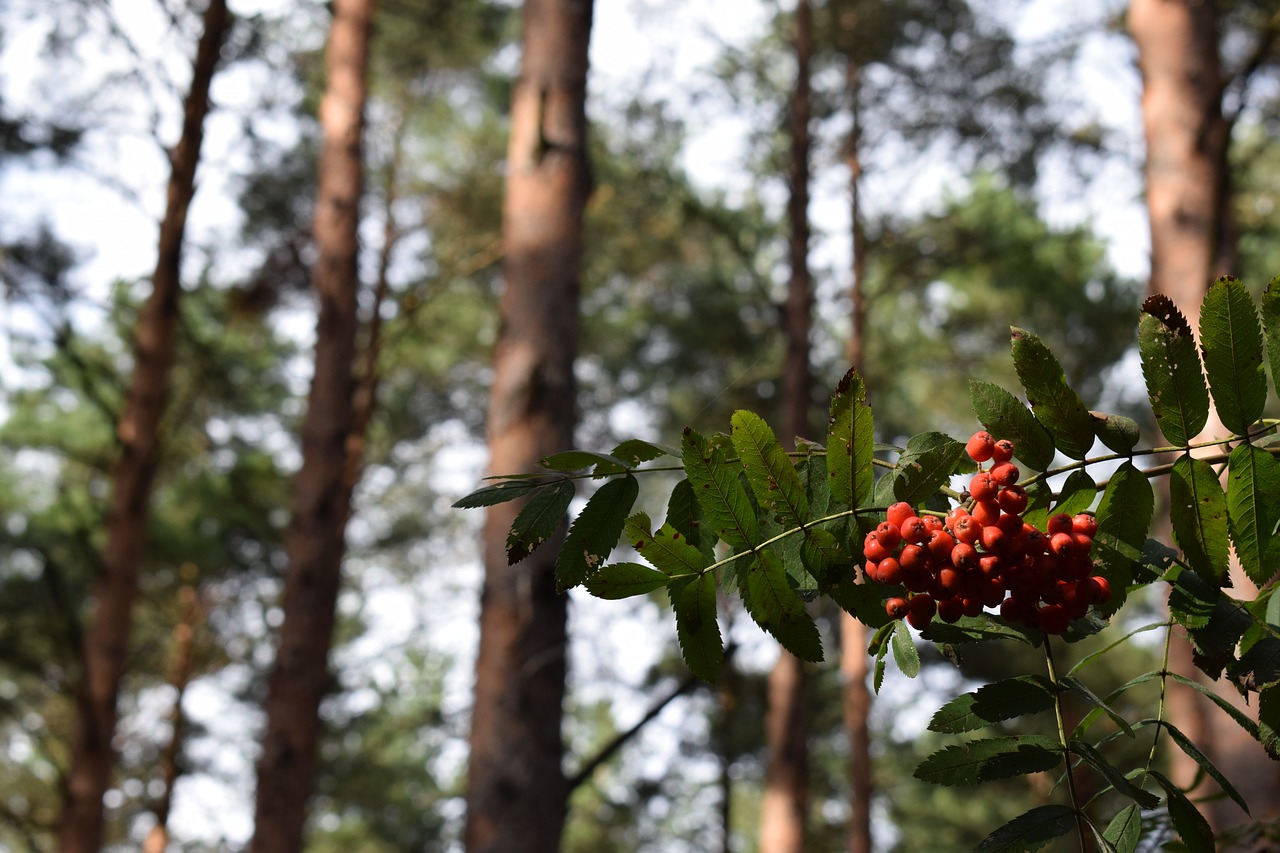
<point>786,792</point>
<point>106,642</point>
<point>516,788</point>
<point>1193,241</point>
<point>322,495</point>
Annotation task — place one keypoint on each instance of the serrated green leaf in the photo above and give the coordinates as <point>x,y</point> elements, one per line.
<point>667,549</point>
<point>1114,777</point>
<point>1198,512</point>
<point>849,443</point>
<point>864,602</point>
<point>770,471</point>
<point>1250,727</point>
<point>1124,516</point>
<point>719,490</point>
<point>1269,720</point>
<point>508,490</point>
<point>774,606</point>
<point>973,629</point>
<point>1125,829</point>
<point>1030,831</point>
<point>904,651</point>
<point>1003,700</point>
<point>820,552</point>
<point>992,758</point>
<point>624,580</point>
<point>1258,667</point>
<point>877,678</point>
<point>697,629</point>
<point>538,519</point>
<point>1171,367</point>
<point>925,466</point>
<point>580,460</point>
<point>685,515</point>
<point>1193,752</point>
<point>1271,327</point>
<point>1253,511</point>
<point>1117,432</point>
<point>595,532</point>
<point>1081,690</point>
<point>1054,403</point>
<point>633,451</point>
<point>1004,416</point>
<point>1231,341</point>
<point>1187,820</point>
<point>1077,493</point>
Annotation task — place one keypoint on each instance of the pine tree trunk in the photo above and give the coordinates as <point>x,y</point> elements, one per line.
<point>106,642</point>
<point>516,788</point>
<point>786,794</point>
<point>322,495</point>
<point>1193,241</point>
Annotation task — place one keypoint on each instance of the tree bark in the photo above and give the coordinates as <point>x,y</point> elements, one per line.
<point>786,794</point>
<point>322,493</point>
<point>106,642</point>
<point>516,787</point>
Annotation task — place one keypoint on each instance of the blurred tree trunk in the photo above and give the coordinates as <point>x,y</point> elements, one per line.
<point>322,493</point>
<point>106,642</point>
<point>516,788</point>
<point>1193,241</point>
<point>786,793</point>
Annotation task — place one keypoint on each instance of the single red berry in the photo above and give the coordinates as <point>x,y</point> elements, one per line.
<point>993,594</point>
<point>990,566</point>
<point>966,529</point>
<point>980,446</point>
<point>973,606</point>
<point>890,535</point>
<point>1002,452</point>
<point>1013,499</point>
<point>1034,541</point>
<point>899,513</point>
<point>949,581</point>
<point>951,609</point>
<point>932,523</point>
<point>896,608</point>
<point>914,531</point>
<point>1012,610</point>
<point>1005,474</point>
<point>1085,524</point>
<point>983,487</point>
<point>871,570</point>
<point>1052,619</point>
<point>1083,543</point>
<point>1101,589</point>
<point>914,557</point>
<point>964,556</point>
<point>1060,523</point>
<point>920,610</point>
<point>890,571</point>
<point>873,549</point>
<point>1062,544</point>
<point>986,512</point>
<point>939,545</point>
<point>956,513</point>
<point>992,538</point>
<point>1010,525</point>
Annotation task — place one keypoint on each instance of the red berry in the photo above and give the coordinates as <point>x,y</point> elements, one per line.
<point>920,610</point>
<point>966,529</point>
<point>1010,525</point>
<point>1005,474</point>
<point>950,609</point>
<point>1002,452</point>
<point>1052,619</point>
<point>1101,588</point>
<point>939,545</point>
<point>980,446</point>
<point>973,606</point>
<point>986,512</point>
<point>873,549</point>
<point>964,556</point>
<point>896,608</point>
<point>992,538</point>
<point>899,513</point>
<point>914,530</point>
<point>949,581</point>
<point>1012,610</point>
<point>890,535</point>
<point>1060,523</point>
<point>1062,544</point>
<point>1013,499</point>
<point>983,487</point>
<point>1085,524</point>
<point>890,571</point>
<point>914,557</point>
<point>871,570</point>
<point>990,566</point>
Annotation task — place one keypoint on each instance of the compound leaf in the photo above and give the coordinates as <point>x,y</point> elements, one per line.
<point>696,627</point>
<point>719,490</point>
<point>770,472</point>
<point>849,443</point>
<point>1124,515</point>
<point>667,550</point>
<point>925,466</point>
<point>776,608</point>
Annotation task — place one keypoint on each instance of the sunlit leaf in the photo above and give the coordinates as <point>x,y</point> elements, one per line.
<point>1253,510</point>
<point>1231,340</point>
<point>770,472</point>
<point>1055,404</point>
<point>719,490</point>
<point>1004,416</point>
<point>849,443</point>
<point>666,549</point>
<point>1117,432</point>
<point>904,651</point>
<point>1124,515</point>
<point>1171,367</point>
<point>925,466</point>
<point>507,490</point>
<point>1198,512</point>
<point>1125,829</point>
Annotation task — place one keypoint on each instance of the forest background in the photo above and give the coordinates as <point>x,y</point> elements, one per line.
<point>998,155</point>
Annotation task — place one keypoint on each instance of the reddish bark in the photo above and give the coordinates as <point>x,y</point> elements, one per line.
<point>322,491</point>
<point>516,788</point>
<point>106,642</point>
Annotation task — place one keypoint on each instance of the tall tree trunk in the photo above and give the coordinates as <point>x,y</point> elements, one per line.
<point>516,788</point>
<point>322,492</point>
<point>106,642</point>
<point>854,661</point>
<point>1194,240</point>
<point>786,792</point>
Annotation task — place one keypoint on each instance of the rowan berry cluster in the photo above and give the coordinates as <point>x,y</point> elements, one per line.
<point>983,555</point>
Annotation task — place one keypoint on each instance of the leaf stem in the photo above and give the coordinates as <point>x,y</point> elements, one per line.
<point>1062,739</point>
<point>1164,687</point>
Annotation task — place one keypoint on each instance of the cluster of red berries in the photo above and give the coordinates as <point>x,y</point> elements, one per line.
<point>984,555</point>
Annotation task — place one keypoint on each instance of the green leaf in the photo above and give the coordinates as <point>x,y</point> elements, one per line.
<point>992,758</point>
<point>1117,432</point>
<point>1030,831</point>
<point>595,532</point>
<point>1193,752</point>
<point>1250,727</point>
<point>904,651</point>
<point>1054,403</point>
<point>1125,829</point>
<point>623,580</point>
<point>769,470</point>
<point>1253,511</point>
<point>1003,700</point>
<point>1171,367</point>
<point>685,515</point>
<point>1187,820</point>
<point>849,443</point>
<point>697,629</point>
<point>925,466</point>
<point>1258,667</point>
<point>1198,512</point>
<point>719,490</point>
<point>579,460</point>
<point>508,490</point>
<point>1231,340</point>
<point>973,629</point>
<point>667,550</point>
<point>633,451</point>
<point>1271,327</point>
<point>1077,494</point>
<point>1124,515</point>
<point>1114,777</point>
<point>1269,720</point>
<point>538,520</point>
<point>1004,416</point>
<point>775,607</point>
<point>865,602</point>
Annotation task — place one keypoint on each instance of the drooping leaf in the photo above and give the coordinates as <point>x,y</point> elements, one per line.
<point>925,466</point>
<point>1193,752</point>
<point>580,460</point>
<point>1004,416</point>
<point>973,629</point>
<point>904,651</point>
<point>1124,515</point>
<point>1055,404</point>
<point>1030,831</point>
<point>667,549</point>
<point>1187,820</point>
<point>1117,432</point>
<point>507,490</point>
<point>1125,829</point>
<point>633,451</point>
<point>1080,689</point>
<point>1271,328</point>
<point>623,580</point>
<point>685,514</point>
<point>991,703</point>
<point>1171,367</point>
<point>992,758</point>
<point>539,519</point>
<point>720,492</point>
<point>849,443</point>
<point>1198,512</point>
<point>595,532</point>
<point>770,472</point>
<point>1253,510</point>
<point>1117,780</point>
<point>697,629</point>
<point>775,607</point>
<point>1231,340</point>
<point>1077,493</point>
<point>1225,706</point>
